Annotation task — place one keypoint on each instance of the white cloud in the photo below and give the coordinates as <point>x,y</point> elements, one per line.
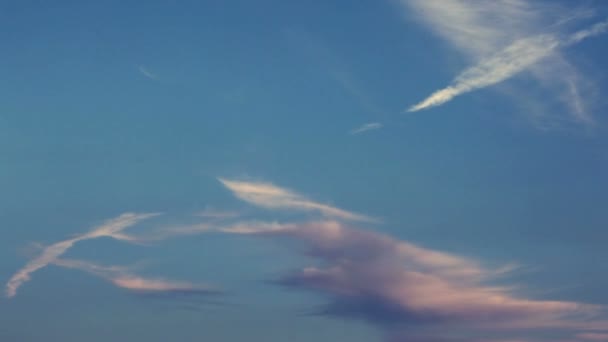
<point>512,60</point>
<point>144,71</point>
<point>366,127</point>
<point>112,228</point>
<point>270,196</point>
<point>504,38</point>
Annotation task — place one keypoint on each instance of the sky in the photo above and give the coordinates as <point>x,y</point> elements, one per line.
<point>382,171</point>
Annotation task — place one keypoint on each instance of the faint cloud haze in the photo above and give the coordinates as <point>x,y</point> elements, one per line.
<point>147,73</point>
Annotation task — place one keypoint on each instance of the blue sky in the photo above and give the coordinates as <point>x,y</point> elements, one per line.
<point>399,170</point>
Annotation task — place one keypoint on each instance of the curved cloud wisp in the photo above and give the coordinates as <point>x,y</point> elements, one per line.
<point>123,278</point>
<point>147,73</point>
<point>366,127</point>
<point>270,196</point>
<point>112,228</point>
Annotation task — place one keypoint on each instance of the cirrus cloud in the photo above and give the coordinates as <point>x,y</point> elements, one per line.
<point>122,277</point>
<point>504,38</point>
<point>111,228</point>
<point>270,196</point>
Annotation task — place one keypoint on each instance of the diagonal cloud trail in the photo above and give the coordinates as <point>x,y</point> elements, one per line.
<point>123,278</point>
<point>270,196</point>
<point>147,73</point>
<point>111,228</point>
<point>366,127</point>
<point>517,57</point>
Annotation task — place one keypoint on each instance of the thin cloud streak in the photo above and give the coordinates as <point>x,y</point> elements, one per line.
<point>146,72</point>
<point>111,228</point>
<point>123,278</point>
<point>270,196</point>
<point>366,127</point>
<point>516,58</point>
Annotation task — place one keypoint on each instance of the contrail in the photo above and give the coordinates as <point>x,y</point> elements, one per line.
<point>514,59</point>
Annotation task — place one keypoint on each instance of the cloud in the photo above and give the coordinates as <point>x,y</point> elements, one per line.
<point>270,196</point>
<point>366,127</point>
<point>144,71</point>
<point>111,228</point>
<point>213,213</point>
<point>512,60</point>
<point>123,278</point>
<point>479,28</point>
<point>593,337</point>
<point>515,58</point>
<point>523,33</point>
<point>413,291</point>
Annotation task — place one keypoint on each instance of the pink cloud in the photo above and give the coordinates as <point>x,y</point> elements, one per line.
<point>123,277</point>
<point>394,283</point>
<point>593,337</point>
<point>270,196</point>
<point>111,228</point>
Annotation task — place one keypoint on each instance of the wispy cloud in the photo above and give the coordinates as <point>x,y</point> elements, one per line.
<point>524,33</point>
<point>213,213</point>
<point>122,277</point>
<point>412,293</point>
<point>366,127</point>
<point>147,73</point>
<point>112,228</point>
<point>512,60</point>
<point>270,196</point>
<point>415,292</point>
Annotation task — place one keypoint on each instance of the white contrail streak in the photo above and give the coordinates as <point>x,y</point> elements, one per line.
<point>514,59</point>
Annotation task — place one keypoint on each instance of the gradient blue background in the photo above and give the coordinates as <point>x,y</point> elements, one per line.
<point>270,90</point>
